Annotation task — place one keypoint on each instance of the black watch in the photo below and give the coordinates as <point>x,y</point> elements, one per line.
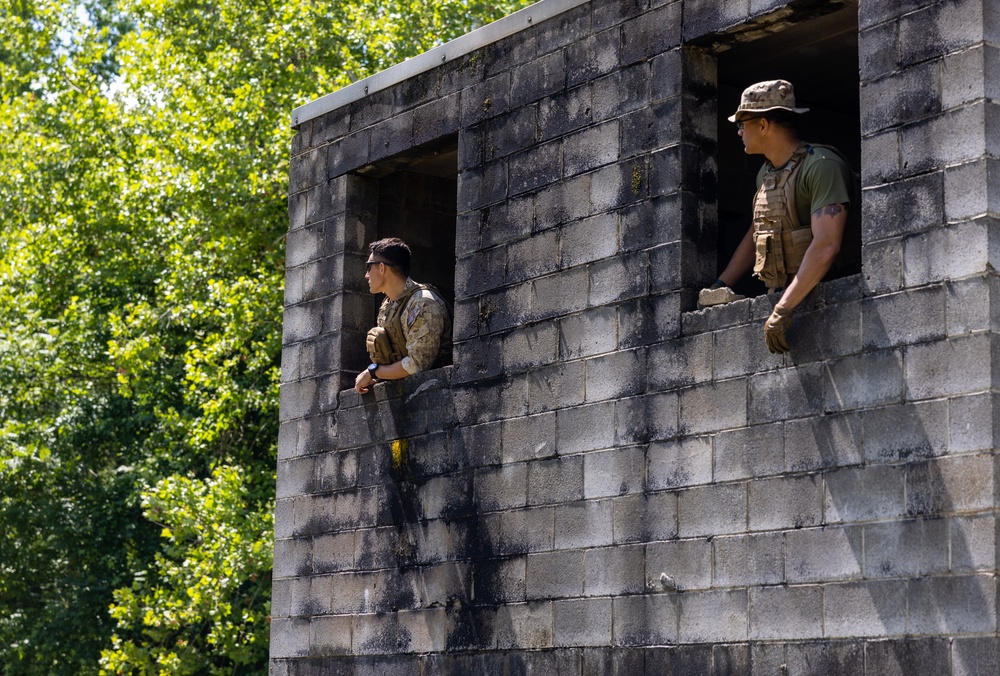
<point>372,368</point>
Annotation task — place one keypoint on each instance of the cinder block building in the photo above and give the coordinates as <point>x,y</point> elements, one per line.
<point>607,480</point>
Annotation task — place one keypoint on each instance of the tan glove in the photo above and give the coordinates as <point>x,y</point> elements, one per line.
<point>774,330</point>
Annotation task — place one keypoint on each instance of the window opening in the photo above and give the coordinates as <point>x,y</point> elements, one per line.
<point>819,57</point>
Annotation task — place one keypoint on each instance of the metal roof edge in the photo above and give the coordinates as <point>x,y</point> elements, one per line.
<point>459,47</point>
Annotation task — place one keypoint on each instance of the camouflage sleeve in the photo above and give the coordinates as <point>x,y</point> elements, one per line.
<point>423,324</point>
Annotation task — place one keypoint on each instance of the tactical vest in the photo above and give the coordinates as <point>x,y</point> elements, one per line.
<point>780,239</point>
<point>387,344</point>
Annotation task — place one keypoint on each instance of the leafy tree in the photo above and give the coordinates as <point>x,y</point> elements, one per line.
<point>143,181</point>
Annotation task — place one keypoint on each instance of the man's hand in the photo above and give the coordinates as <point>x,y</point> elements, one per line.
<point>363,382</point>
<point>774,330</point>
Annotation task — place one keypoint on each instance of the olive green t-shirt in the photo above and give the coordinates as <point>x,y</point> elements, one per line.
<point>825,178</point>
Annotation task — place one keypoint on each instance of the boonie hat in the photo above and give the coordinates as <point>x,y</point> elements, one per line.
<point>765,96</point>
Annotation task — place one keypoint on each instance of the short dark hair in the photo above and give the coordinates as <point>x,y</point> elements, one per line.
<point>394,251</point>
<point>783,118</point>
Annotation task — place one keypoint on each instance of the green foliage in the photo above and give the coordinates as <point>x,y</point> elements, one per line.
<point>143,181</point>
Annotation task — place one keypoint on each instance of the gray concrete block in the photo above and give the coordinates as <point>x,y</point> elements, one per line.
<point>538,78</point>
<point>445,497</point>
<point>645,620</point>
<point>878,49</point>
<point>871,608</point>
<point>513,132</point>
<point>530,346</point>
<point>749,452</point>
<point>718,509</point>
<point>952,605</point>
<point>906,548</point>
<point>675,464</point>
<point>616,186</point>
<point>649,320</point>
<point>923,147</point>
<point>528,437</point>
<point>651,128</point>
<point>902,207</point>
<point>292,558</point>
<point>590,148</point>
<point>555,386</point>
<point>667,72</point>
<point>913,316</point>
<point>681,362</point>
<point>786,393</point>
<point>749,560</point>
<point>486,99</point>
<point>565,112</point>
<point>526,530</point>
<point>828,441</point>
<point>971,656</point>
<point>973,543</point>
<point>644,517</point>
<point>863,494</point>
<point>783,612</point>
<point>308,170</point>
<point>688,563</point>
<point>824,554</point>
<point>862,381</point>
<point>906,431</point>
<point>715,406</point>
<point>619,471</point>
<point>289,638</point>
<point>651,33</point>
<point>836,658</point>
<point>618,279</point>
<point>500,581</point>
<point>967,306</point>
<point>499,488</point>
<point>713,616</point>
<point>330,635</point>
<point>947,253</point>
<point>524,626</point>
<point>900,98</point>
<point>951,484</point>
<point>472,628</point>
<point>880,158</point>
<point>555,481</point>
<point>582,622</point>
<point>553,575</point>
<point>614,571</point>
<point>968,189</point>
<point>785,502</point>
<point>621,92</point>
<point>301,322</point>
<point>590,56</point>
<point>507,221</point>
<point>940,29</point>
<point>882,265</point>
<point>616,375</point>
<point>585,428</point>
<point>584,524</point>
<point>646,418</point>
<point>947,368</point>
<point>588,240</point>
<point>333,552</point>
<point>478,445</point>
<point>741,350</point>
<point>560,294</point>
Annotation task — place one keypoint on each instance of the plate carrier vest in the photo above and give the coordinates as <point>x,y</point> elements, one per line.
<point>387,345</point>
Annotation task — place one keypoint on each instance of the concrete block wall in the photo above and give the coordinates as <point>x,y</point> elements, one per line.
<point>606,480</point>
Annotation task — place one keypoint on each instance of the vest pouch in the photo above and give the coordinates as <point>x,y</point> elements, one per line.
<point>795,243</point>
<point>768,264</point>
<point>378,346</point>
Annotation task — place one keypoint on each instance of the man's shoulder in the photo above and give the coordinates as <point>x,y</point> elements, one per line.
<point>822,155</point>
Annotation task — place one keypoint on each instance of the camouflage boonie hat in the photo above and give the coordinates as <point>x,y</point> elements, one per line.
<point>765,96</point>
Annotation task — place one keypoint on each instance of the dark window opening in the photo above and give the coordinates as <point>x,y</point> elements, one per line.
<point>418,202</point>
<point>819,56</point>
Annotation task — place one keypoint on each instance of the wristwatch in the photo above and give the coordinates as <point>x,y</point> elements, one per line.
<point>371,371</point>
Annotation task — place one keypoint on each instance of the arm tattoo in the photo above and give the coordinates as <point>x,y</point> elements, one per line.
<point>829,210</point>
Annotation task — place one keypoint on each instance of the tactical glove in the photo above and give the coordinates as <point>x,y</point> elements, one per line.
<point>774,330</point>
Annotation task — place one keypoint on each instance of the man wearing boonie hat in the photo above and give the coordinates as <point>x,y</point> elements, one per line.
<point>805,196</point>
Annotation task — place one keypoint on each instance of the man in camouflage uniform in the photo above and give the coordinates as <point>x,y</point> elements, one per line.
<point>807,202</point>
<point>414,326</point>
